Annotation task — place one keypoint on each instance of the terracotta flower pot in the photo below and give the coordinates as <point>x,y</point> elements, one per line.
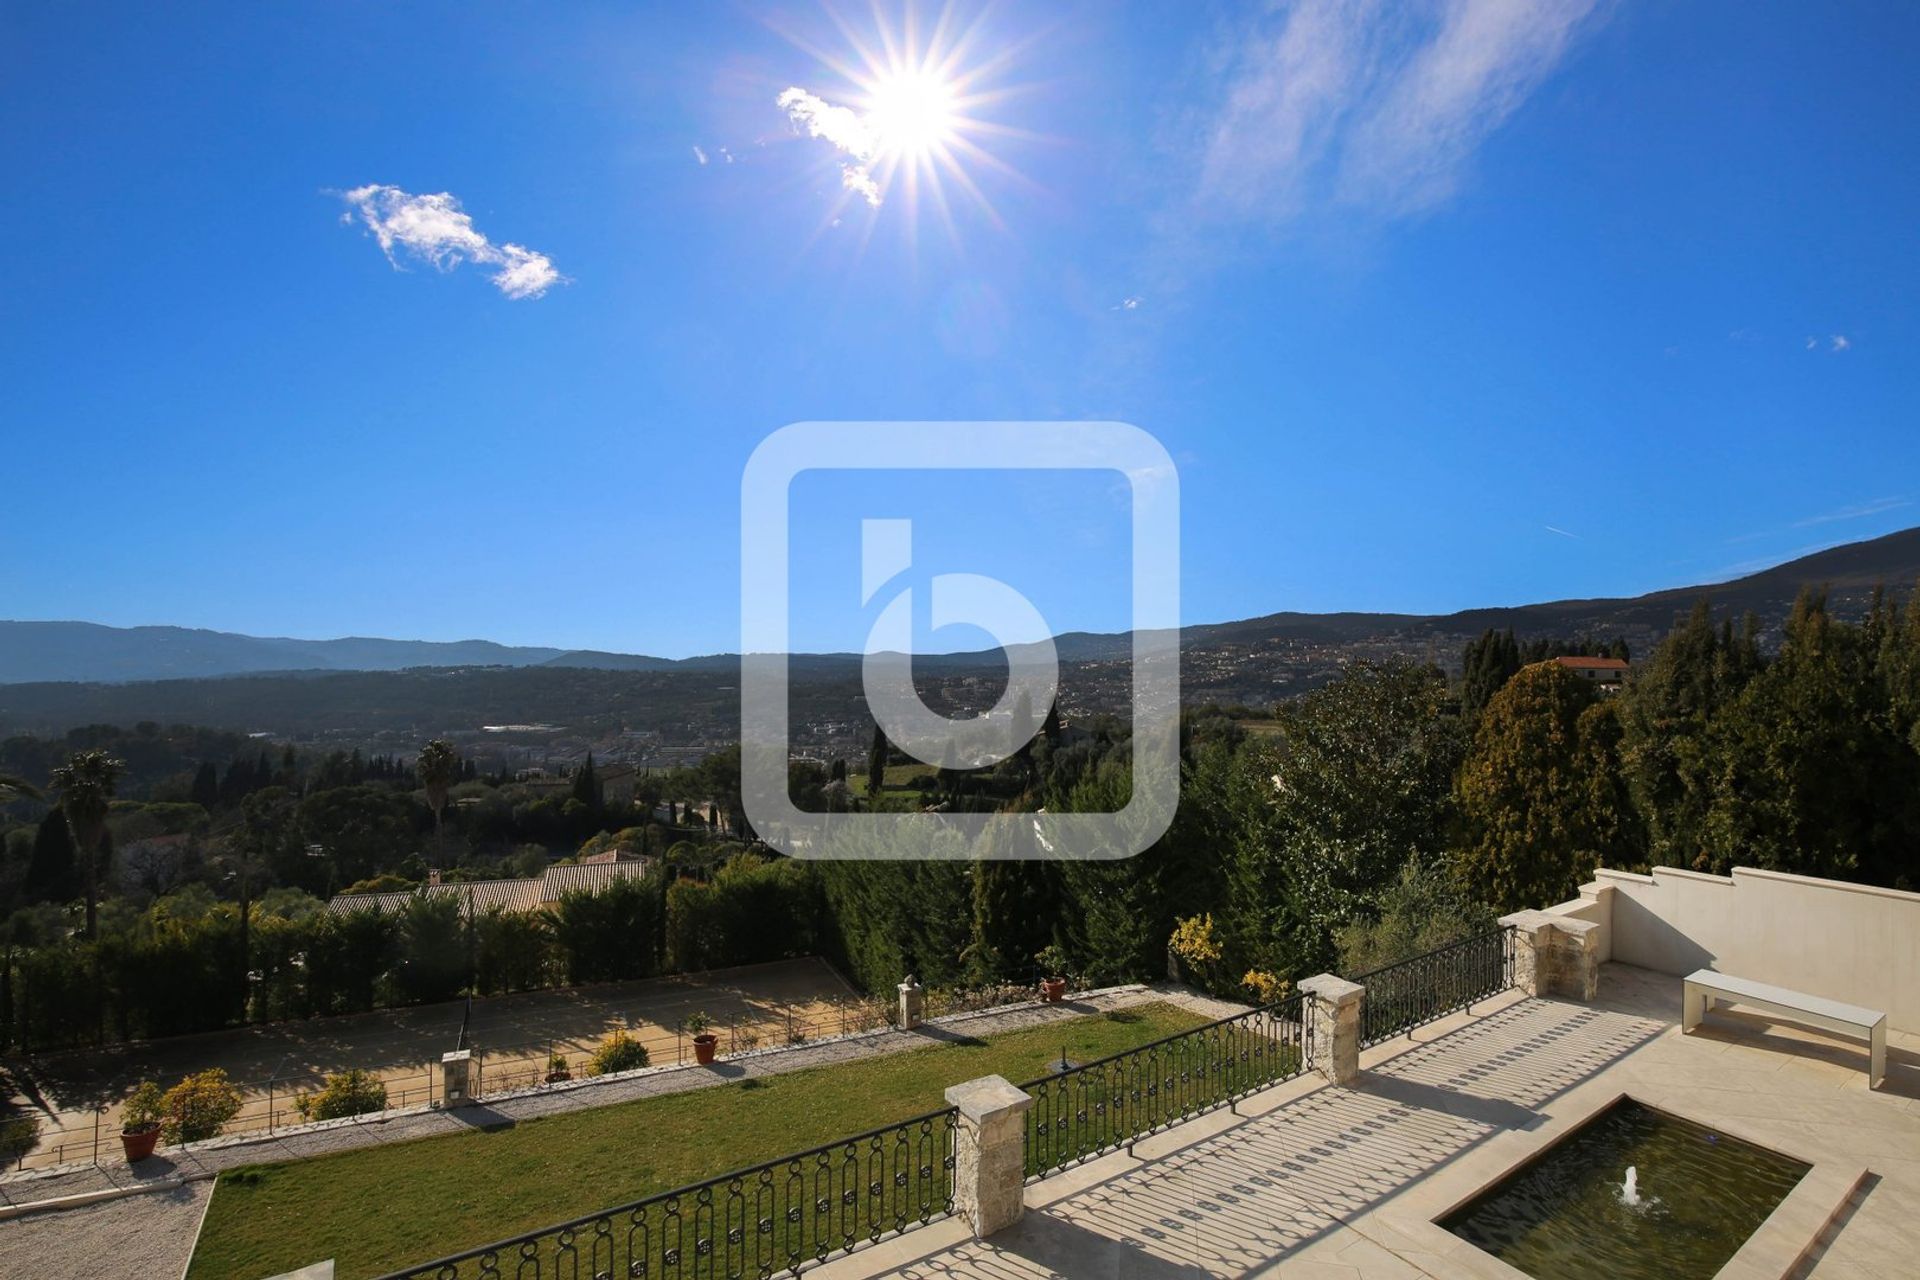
<point>705,1045</point>
<point>139,1143</point>
<point>1053,990</point>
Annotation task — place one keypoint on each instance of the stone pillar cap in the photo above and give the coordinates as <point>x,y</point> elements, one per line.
<point>989,1095</point>
<point>910,984</point>
<point>1329,987</point>
<point>1525,920</point>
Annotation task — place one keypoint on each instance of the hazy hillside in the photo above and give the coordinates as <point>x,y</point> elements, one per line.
<point>87,651</point>
<point>363,688</point>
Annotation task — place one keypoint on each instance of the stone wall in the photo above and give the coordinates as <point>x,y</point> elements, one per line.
<point>1846,942</point>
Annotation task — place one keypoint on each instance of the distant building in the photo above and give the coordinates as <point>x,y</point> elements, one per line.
<point>1608,673</point>
<point>477,897</point>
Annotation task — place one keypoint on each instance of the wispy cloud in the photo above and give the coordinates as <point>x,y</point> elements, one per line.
<point>1368,105</point>
<point>701,156</point>
<point>1562,532</point>
<point>1858,511</point>
<point>1130,303</point>
<point>842,127</point>
<point>1839,342</point>
<point>434,230</point>
<point>1836,343</point>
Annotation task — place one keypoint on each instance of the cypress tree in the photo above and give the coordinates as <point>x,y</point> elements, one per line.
<point>52,874</point>
<point>206,786</point>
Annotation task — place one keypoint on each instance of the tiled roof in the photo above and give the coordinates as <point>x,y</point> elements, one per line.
<point>589,877</point>
<point>478,896</point>
<point>1593,664</point>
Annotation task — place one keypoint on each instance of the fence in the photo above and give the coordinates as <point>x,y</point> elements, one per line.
<point>1434,984</point>
<point>780,1216</point>
<point>266,1105</point>
<point>1087,1110</point>
<point>504,1068</point>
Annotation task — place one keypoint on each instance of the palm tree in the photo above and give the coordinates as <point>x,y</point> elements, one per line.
<point>439,768</point>
<point>86,783</point>
<point>12,788</point>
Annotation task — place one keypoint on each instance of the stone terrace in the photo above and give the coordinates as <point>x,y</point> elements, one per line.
<point>1319,1180</point>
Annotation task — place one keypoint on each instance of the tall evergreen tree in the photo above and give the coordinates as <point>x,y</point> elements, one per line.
<point>1523,800</point>
<point>206,786</point>
<point>52,873</point>
<point>876,764</point>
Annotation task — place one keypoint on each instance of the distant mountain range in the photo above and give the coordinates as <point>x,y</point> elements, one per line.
<point>41,652</point>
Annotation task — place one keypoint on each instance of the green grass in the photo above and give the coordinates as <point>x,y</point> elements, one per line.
<point>381,1208</point>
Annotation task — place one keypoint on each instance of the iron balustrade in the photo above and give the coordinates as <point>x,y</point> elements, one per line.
<point>1432,985</point>
<point>1087,1110</point>
<point>767,1220</point>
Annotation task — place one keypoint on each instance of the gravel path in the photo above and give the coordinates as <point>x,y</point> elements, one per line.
<point>143,1237</point>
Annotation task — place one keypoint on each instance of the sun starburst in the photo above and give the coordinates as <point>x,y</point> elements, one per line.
<point>914,114</point>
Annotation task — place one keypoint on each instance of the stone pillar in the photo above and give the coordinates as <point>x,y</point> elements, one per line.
<point>1332,1009</point>
<point>1555,955</point>
<point>1576,954</point>
<point>1529,929</point>
<point>913,1004</point>
<point>456,1078</point>
<point>989,1151</point>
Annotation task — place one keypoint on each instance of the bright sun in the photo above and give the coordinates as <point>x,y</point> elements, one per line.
<point>913,114</point>
<point>910,121</point>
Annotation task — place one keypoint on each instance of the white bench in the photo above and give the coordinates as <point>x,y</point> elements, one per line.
<point>1703,987</point>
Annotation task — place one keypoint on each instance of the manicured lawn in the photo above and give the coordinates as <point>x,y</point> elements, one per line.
<point>382,1208</point>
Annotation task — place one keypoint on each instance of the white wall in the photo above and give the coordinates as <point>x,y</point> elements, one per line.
<point>1846,942</point>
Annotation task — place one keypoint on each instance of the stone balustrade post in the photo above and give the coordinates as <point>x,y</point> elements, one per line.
<point>1554,955</point>
<point>913,1004</point>
<point>1332,1010</point>
<point>456,1078</point>
<point>989,1153</point>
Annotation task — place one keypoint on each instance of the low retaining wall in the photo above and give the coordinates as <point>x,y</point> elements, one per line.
<point>1848,942</point>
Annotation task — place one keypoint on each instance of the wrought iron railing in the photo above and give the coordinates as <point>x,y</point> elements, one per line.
<point>782,1216</point>
<point>1434,984</point>
<point>1088,1109</point>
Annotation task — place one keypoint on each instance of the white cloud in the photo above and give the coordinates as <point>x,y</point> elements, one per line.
<point>1839,342</point>
<point>1370,105</point>
<point>1813,344</point>
<point>1562,532</point>
<point>434,229</point>
<point>845,129</point>
<point>1858,511</point>
<point>701,156</point>
<point>1131,303</point>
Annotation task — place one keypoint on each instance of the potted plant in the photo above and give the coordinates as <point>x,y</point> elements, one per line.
<point>140,1121</point>
<point>557,1068</point>
<point>1053,963</point>
<point>705,1043</point>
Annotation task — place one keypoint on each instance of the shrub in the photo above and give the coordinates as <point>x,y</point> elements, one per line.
<point>346,1093</point>
<point>18,1135</point>
<point>1264,986</point>
<point>1052,958</point>
<point>618,1052</point>
<point>144,1108</point>
<point>199,1107</point>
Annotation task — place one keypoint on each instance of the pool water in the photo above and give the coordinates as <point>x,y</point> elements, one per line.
<point>1565,1215</point>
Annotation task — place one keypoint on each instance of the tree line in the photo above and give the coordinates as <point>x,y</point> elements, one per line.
<point>1391,809</point>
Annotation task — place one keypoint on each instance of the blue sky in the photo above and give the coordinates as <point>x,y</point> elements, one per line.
<point>1434,305</point>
